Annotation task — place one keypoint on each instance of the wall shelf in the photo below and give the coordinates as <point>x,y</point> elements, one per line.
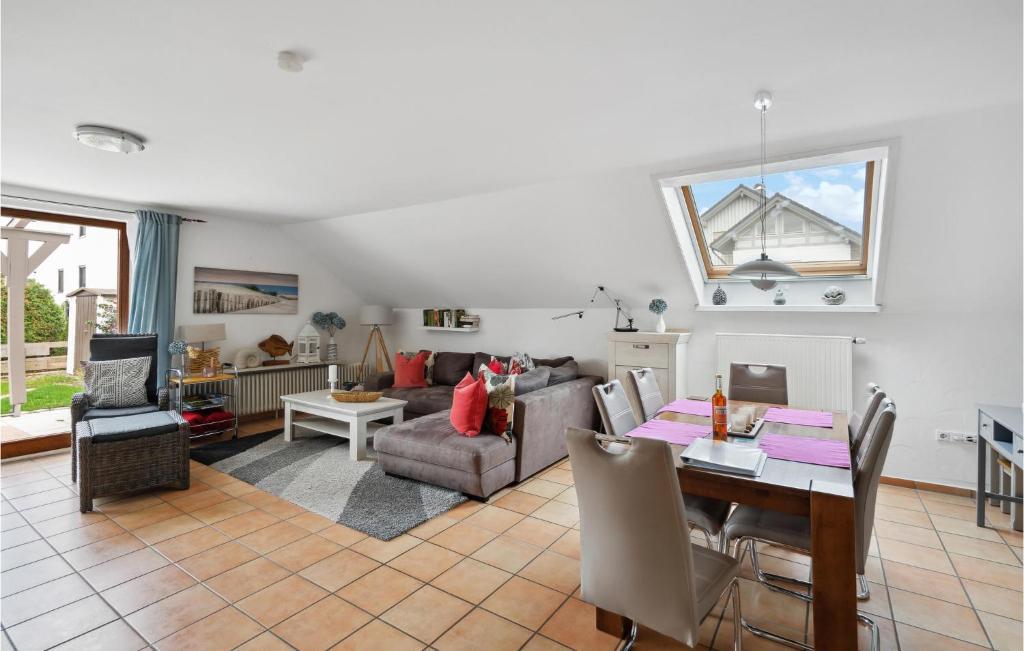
<point>869,309</point>
<point>443,329</point>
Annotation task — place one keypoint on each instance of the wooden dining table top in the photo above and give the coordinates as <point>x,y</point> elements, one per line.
<point>779,476</point>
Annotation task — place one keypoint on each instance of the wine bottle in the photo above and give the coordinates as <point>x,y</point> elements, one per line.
<point>719,413</point>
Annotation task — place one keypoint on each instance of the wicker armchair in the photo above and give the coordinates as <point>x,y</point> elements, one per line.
<point>104,347</point>
<point>118,455</point>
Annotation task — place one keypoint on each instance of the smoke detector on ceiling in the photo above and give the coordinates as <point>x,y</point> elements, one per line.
<point>108,139</point>
<point>290,61</point>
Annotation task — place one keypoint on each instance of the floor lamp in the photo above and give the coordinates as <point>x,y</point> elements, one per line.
<point>376,316</point>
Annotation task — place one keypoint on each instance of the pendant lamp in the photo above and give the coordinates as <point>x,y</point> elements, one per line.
<point>763,272</point>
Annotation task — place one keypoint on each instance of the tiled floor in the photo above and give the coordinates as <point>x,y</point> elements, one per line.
<point>224,565</point>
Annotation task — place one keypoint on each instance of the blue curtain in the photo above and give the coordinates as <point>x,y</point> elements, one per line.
<point>155,282</point>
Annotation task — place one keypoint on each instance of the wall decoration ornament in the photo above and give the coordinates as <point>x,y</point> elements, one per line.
<point>276,346</point>
<point>331,322</point>
<point>719,297</point>
<point>658,307</point>
<point>231,291</point>
<point>308,343</point>
<point>780,297</point>
<point>247,358</point>
<point>834,296</point>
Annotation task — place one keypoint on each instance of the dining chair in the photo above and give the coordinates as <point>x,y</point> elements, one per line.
<point>749,525</point>
<point>758,383</point>
<point>643,387</point>
<point>637,560</point>
<point>706,514</point>
<point>859,422</point>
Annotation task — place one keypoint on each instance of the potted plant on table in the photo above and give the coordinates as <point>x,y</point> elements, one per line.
<point>658,307</point>
<point>331,322</point>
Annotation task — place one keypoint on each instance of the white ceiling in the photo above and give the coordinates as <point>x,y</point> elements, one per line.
<point>404,103</point>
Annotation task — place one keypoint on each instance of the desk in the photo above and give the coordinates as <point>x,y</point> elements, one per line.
<point>822,493</point>
<point>1000,436</point>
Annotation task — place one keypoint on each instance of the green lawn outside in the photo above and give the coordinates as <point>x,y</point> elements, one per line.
<point>44,392</point>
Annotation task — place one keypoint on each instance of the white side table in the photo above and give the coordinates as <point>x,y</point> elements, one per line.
<point>345,419</point>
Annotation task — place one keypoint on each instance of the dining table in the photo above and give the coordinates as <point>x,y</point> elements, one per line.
<point>822,493</point>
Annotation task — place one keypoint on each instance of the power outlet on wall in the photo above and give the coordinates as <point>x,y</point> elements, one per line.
<point>955,437</point>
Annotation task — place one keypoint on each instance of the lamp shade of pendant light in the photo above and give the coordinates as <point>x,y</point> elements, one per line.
<point>763,272</point>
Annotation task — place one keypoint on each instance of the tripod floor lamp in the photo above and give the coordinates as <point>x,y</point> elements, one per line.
<point>376,316</point>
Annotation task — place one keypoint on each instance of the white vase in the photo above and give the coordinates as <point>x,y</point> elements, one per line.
<point>660,325</point>
<point>332,351</point>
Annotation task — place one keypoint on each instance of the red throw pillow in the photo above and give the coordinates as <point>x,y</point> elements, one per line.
<point>469,404</point>
<point>410,373</point>
<point>496,365</point>
<point>218,416</point>
<point>193,418</point>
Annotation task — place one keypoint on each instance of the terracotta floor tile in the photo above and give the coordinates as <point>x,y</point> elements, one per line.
<point>568,544</point>
<point>383,551</point>
<point>918,639</point>
<point>540,643</point>
<point>464,510</point>
<point>149,515</point>
<point>936,616</point>
<point>222,511</point>
<point>42,498</point>
<point>45,483</point>
<point>558,475</point>
<point>123,568</point>
<point>170,528</point>
<point>147,589</point>
<point>573,626</point>
<point>83,536</point>
<point>276,603</point>
<point>68,522</point>
<point>42,513</point>
<point>916,555</point>
<point>965,528</point>
<point>245,523</point>
<point>931,496</point>
<point>1005,633</point>
<point>952,510</point>
<point>337,571</point>
<point>507,553</point>
<point>426,561</point>
<point>311,521</point>
<point>217,560</point>
<point>43,598</point>
<point>61,624</point>
<point>481,629</point>
<point>322,624</point>
<point>18,536</point>
<point>342,535</point>
<point>246,579</point>
<point>524,602</point>
<point>115,636</point>
<point>541,488</point>
<point>191,543</point>
<point>989,551</point>
<point>270,538</point>
<point>977,569</point>
<point>103,551</point>
<point>278,507</point>
<point>265,642</point>
<point>471,580</point>
<point>903,516</point>
<point>223,630</point>
<point>128,504</point>
<point>200,500</point>
<point>25,554</point>
<point>558,512</point>
<point>303,552</point>
<point>378,636</point>
<point>238,488</point>
<point>568,496</point>
<point>555,571</point>
<point>379,590</point>
<point>33,574</point>
<point>12,521</point>
<point>907,533</point>
<point>160,619</point>
<point>494,518</point>
<point>30,476</point>
<point>539,533</point>
<point>521,502</point>
<point>903,501</point>
<point>463,538</point>
<point>926,582</point>
<point>996,600</point>
<point>427,613</point>
<point>770,609</point>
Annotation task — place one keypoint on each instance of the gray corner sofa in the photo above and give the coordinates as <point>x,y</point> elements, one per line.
<point>426,447</point>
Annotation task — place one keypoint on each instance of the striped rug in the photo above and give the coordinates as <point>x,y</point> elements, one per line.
<point>315,472</point>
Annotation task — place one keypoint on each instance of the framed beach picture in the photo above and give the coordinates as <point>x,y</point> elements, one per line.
<point>230,291</point>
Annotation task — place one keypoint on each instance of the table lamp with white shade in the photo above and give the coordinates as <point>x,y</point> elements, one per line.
<point>201,333</point>
<point>376,316</point>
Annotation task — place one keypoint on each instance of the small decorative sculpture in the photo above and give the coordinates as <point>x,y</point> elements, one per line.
<point>247,358</point>
<point>275,346</point>
<point>780,297</point>
<point>658,306</point>
<point>331,322</point>
<point>719,297</point>
<point>834,296</point>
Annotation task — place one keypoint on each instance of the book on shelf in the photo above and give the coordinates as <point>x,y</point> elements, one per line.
<point>721,456</point>
<point>449,317</point>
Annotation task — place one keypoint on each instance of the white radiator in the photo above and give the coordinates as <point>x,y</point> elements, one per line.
<point>819,370</point>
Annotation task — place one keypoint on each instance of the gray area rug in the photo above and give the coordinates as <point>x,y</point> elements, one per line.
<point>315,472</point>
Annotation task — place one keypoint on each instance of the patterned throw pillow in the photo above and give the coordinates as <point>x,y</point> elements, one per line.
<point>117,382</point>
<point>501,402</point>
<point>520,363</point>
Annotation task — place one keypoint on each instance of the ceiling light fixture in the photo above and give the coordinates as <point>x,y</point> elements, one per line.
<point>108,139</point>
<point>290,61</point>
<point>764,271</point>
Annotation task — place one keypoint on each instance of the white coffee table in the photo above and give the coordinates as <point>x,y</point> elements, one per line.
<point>338,418</point>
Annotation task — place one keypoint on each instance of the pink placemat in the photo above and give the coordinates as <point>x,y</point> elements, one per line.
<point>799,417</point>
<point>685,406</point>
<point>821,452</point>
<point>671,431</point>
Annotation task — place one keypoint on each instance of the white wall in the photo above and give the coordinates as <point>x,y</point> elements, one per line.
<point>229,244</point>
<point>949,335</point>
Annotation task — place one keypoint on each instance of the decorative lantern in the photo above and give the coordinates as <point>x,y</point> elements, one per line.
<point>307,345</point>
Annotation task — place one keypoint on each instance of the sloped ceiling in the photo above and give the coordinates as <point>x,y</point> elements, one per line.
<point>406,103</point>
